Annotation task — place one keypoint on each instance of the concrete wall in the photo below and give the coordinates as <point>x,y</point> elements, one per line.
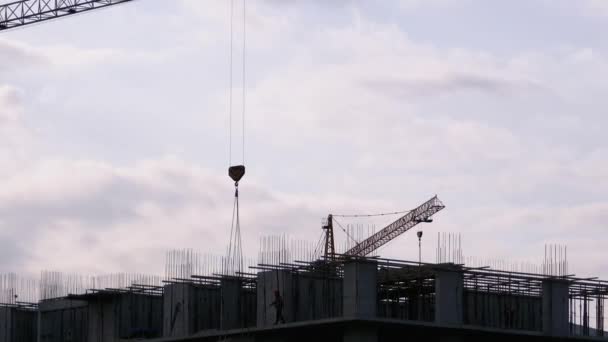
<point>205,306</point>
<point>177,317</point>
<point>25,325</point>
<point>189,308</point>
<point>101,322</point>
<point>126,315</point>
<point>231,310</point>
<point>306,296</point>
<point>267,283</point>
<point>17,324</point>
<point>6,324</point>
<point>238,304</point>
<point>317,297</point>
<point>63,320</point>
<point>139,315</point>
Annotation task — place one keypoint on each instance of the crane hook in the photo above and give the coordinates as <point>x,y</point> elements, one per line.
<point>236,173</point>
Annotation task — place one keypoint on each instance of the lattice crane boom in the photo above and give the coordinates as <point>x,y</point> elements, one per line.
<point>25,12</point>
<point>423,213</point>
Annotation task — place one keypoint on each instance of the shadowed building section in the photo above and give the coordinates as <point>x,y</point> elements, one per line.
<point>345,298</point>
<point>18,322</point>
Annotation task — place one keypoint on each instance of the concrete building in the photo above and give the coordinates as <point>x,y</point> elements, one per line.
<point>347,299</point>
<point>381,299</point>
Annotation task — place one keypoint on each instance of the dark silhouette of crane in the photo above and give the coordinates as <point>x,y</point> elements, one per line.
<point>26,12</point>
<point>420,214</point>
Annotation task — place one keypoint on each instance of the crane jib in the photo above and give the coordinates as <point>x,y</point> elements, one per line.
<point>423,213</point>
<point>25,12</point>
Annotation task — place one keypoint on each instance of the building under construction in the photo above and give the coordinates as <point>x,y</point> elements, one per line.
<point>347,296</point>
<point>296,294</point>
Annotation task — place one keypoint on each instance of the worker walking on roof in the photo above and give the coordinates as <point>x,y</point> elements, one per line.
<point>278,305</point>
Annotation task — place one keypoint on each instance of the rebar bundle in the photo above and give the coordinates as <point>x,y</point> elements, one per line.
<point>15,289</point>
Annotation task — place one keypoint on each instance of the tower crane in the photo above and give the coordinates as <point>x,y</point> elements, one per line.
<point>26,12</point>
<point>420,214</point>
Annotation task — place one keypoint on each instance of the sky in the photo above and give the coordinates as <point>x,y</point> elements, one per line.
<point>114,128</point>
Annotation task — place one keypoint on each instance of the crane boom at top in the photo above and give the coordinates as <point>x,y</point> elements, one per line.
<point>421,214</point>
<point>25,12</point>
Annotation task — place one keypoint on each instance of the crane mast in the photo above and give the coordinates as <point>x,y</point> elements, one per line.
<point>25,12</point>
<point>330,248</point>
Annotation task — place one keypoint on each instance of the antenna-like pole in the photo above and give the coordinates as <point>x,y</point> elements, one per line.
<point>419,233</point>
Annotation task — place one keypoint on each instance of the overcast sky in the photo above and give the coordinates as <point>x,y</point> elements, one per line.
<point>114,128</point>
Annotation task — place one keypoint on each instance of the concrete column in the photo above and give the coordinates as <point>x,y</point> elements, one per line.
<point>555,307</point>
<point>177,320</point>
<point>360,289</point>
<point>231,303</point>
<point>449,297</point>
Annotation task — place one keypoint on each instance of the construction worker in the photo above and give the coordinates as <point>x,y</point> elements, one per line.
<point>278,305</point>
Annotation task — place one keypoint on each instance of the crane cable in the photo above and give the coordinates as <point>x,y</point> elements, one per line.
<point>375,215</point>
<point>244,75</point>
<point>234,261</point>
<point>230,86</point>
<point>346,232</point>
<point>231,83</point>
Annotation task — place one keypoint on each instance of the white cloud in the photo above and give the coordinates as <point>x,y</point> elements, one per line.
<point>595,7</point>
<point>14,55</point>
<point>120,218</point>
<point>414,4</point>
<point>15,138</point>
<point>394,119</point>
<point>10,110</point>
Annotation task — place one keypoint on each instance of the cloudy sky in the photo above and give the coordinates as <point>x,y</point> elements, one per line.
<point>114,128</point>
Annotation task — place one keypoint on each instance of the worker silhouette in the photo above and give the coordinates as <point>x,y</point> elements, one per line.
<point>278,305</point>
